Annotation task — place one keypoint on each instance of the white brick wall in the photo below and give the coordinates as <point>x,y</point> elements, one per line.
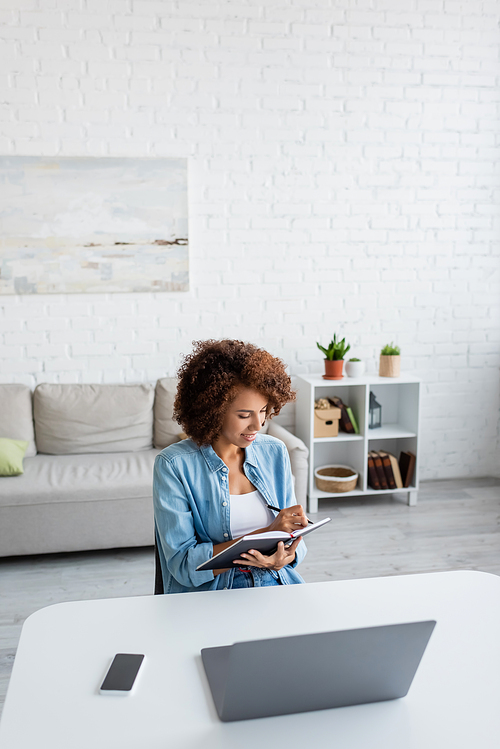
<point>344,176</point>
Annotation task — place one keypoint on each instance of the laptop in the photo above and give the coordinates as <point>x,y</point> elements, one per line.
<point>284,675</point>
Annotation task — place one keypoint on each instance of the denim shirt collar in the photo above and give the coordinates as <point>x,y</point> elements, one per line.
<point>213,461</point>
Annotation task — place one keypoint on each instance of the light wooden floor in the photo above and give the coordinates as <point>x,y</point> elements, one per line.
<point>455,525</point>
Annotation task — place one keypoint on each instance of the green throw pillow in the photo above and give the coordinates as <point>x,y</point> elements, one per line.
<point>11,456</point>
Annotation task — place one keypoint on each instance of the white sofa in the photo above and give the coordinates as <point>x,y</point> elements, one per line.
<point>87,481</point>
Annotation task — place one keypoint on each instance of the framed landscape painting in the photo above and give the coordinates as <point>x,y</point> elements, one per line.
<point>77,225</point>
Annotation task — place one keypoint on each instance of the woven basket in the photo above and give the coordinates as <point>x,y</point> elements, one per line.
<point>335,479</point>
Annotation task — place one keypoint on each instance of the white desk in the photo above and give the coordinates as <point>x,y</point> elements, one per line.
<point>65,649</point>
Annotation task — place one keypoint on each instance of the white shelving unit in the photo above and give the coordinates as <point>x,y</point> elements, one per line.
<point>400,401</point>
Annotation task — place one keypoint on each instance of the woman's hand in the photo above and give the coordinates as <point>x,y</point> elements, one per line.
<point>282,556</point>
<point>289,520</point>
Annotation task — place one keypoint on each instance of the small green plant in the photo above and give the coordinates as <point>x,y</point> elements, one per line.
<point>354,359</point>
<point>336,349</point>
<point>391,350</point>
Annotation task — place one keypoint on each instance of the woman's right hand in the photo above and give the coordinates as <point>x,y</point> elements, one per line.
<point>289,520</point>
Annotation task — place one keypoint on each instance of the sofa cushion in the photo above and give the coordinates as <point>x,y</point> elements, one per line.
<point>55,479</point>
<point>166,430</point>
<point>76,419</point>
<point>16,415</point>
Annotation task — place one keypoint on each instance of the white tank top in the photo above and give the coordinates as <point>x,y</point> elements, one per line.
<point>248,512</point>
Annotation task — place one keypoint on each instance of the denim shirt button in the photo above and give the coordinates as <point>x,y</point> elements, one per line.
<point>224,470</point>
<point>226,535</point>
<point>224,504</point>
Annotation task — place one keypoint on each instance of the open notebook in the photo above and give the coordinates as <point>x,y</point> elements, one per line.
<point>266,543</point>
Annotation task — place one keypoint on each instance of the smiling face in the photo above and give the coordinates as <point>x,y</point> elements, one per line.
<point>243,419</point>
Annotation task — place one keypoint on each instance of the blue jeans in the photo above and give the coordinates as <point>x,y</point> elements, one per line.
<point>254,577</point>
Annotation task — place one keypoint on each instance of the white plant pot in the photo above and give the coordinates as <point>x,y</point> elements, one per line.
<point>354,368</point>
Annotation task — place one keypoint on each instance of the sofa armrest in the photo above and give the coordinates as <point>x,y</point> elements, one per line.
<point>299,455</point>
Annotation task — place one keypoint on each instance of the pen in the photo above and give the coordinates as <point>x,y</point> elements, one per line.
<point>277,509</point>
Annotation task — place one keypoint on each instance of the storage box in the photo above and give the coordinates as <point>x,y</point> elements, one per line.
<point>326,422</point>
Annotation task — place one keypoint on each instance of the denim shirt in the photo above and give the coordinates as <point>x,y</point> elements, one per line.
<point>192,508</point>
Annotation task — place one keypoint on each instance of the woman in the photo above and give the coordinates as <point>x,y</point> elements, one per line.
<point>217,485</point>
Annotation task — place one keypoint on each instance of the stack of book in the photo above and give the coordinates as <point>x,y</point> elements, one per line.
<point>386,472</point>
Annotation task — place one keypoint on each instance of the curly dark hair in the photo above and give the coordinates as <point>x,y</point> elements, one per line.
<point>210,377</point>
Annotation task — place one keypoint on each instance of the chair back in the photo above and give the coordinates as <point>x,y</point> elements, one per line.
<point>158,574</point>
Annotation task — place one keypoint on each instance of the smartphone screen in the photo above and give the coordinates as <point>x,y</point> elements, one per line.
<point>122,673</point>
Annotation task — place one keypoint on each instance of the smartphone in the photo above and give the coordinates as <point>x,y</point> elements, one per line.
<point>122,674</point>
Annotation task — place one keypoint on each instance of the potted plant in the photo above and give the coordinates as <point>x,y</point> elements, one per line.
<point>355,367</point>
<point>390,361</point>
<point>334,358</point>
